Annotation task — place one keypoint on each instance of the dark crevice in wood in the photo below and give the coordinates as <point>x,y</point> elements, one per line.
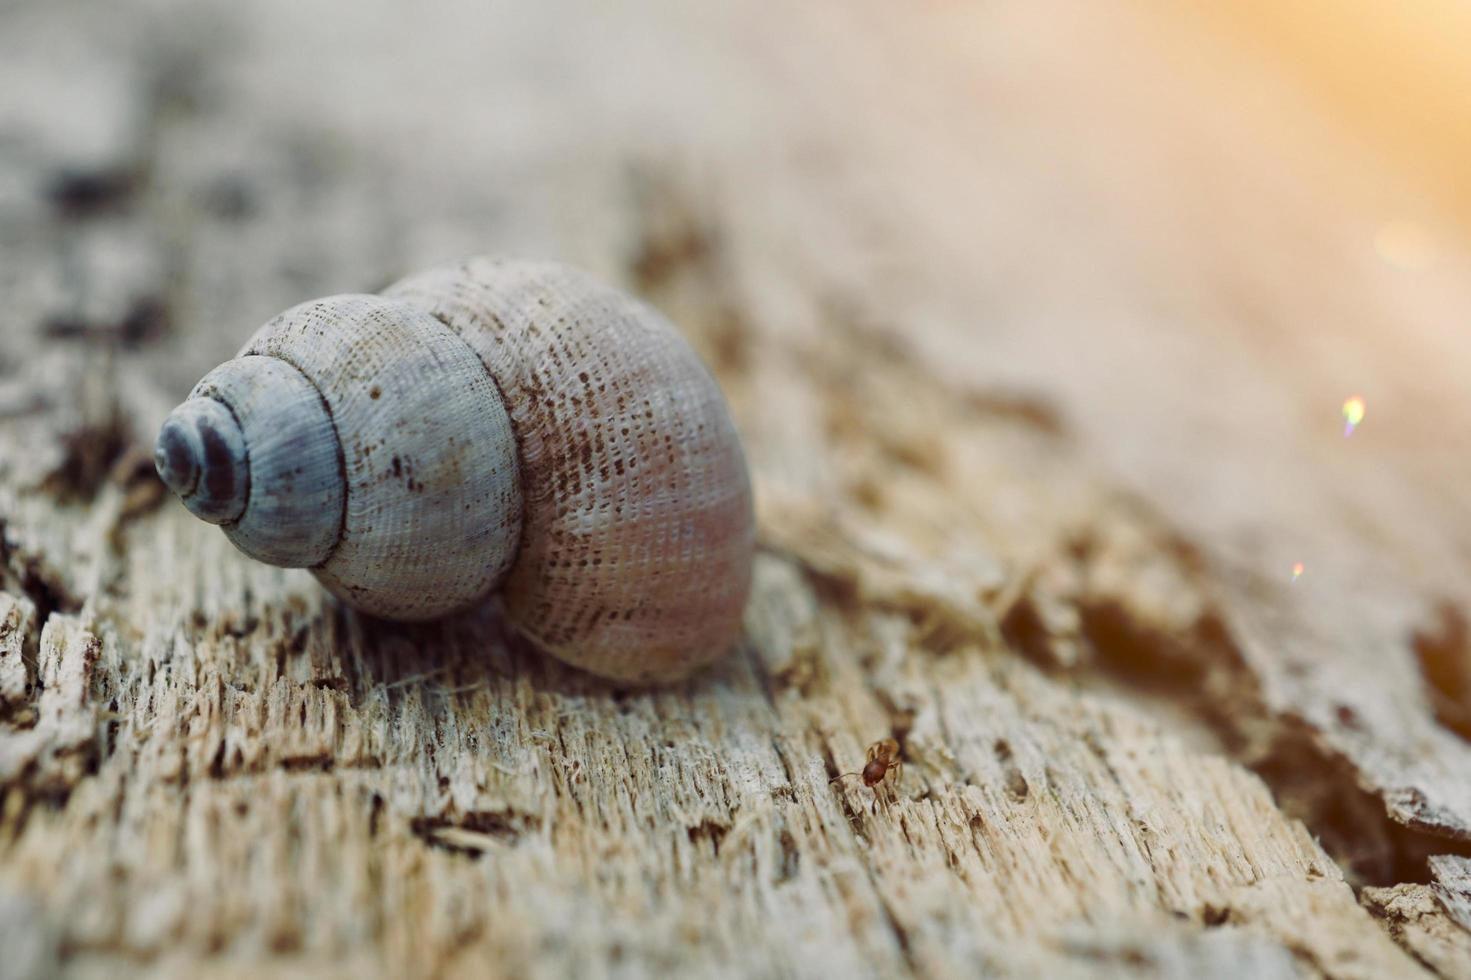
<point>28,574</point>
<point>1320,787</point>
<point>88,192</point>
<point>1024,631</point>
<point>1443,649</point>
<point>482,830</point>
<point>713,831</point>
<point>1204,672</point>
<point>89,456</point>
<point>146,320</point>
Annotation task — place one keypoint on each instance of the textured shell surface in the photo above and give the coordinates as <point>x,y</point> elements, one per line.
<point>432,505</point>
<point>638,532</point>
<point>292,475</point>
<point>492,425</point>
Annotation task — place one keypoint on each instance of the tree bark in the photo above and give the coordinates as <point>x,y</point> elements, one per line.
<point>1036,331</point>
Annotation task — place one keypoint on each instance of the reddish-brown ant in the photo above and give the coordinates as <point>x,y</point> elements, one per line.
<point>882,757</point>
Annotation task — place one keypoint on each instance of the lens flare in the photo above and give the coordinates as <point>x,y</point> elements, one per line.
<point>1353,414</point>
<point>1297,570</point>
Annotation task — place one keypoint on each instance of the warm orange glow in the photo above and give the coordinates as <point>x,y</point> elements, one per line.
<point>1405,245</point>
<point>1394,72</point>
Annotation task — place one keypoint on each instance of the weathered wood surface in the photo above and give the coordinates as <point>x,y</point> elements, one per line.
<point>1036,328</point>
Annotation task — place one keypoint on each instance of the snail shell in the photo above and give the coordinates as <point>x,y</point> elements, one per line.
<point>493,425</point>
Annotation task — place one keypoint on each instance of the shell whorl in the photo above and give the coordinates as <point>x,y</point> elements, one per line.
<point>431,516</point>
<point>292,511</point>
<point>636,552</point>
<point>201,456</point>
<point>494,424</point>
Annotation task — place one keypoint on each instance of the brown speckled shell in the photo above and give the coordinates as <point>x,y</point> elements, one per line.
<point>637,535</point>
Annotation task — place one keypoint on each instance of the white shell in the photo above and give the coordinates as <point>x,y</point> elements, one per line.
<point>294,464</point>
<point>636,553</point>
<point>511,425</point>
<point>432,513</point>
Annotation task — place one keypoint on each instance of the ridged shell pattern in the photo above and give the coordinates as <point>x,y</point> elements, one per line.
<point>294,477</point>
<point>432,514</point>
<point>638,531</point>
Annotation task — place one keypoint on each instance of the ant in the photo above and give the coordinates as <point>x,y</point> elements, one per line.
<point>882,756</point>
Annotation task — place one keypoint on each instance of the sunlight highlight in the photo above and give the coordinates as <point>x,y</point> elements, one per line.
<point>1353,414</point>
